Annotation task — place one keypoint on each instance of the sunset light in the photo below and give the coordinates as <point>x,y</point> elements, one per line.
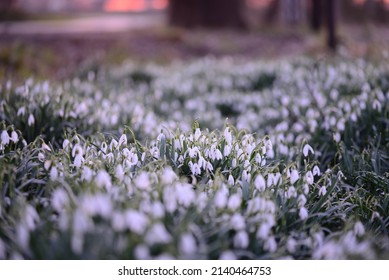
<point>134,5</point>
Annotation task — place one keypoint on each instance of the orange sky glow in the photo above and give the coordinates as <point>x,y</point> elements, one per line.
<point>134,5</point>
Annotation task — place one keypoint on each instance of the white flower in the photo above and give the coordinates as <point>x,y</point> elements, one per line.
<point>231,181</point>
<point>41,157</point>
<point>301,200</point>
<point>158,234</point>
<point>227,255</point>
<point>59,200</point>
<point>234,201</point>
<point>291,245</point>
<point>168,176</point>
<point>322,191</point>
<point>316,171</point>
<point>241,240</point>
<point>303,213</point>
<point>103,179</point>
<point>4,137</point>
<point>119,172</point>
<point>14,136</point>
<point>143,181</point>
<point>187,244</point>
<point>270,244</point>
<point>359,229</point>
<point>227,150</point>
<point>309,178</point>
<point>264,231</point>
<point>336,137</point>
<point>136,222</point>
<point>86,174</point>
<point>260,183</point>
<point>197,134</point>
<point>142,252</point>
<point>237,222</point>
<point>228,135</point>
<point>78,160</point>
<point>31,120</point>
<point>53,173</point>
<point>307,149</point>
<point>294,176</point>
<point>65,144</point>
<point>221,198</point>
<point>122,140</point>
<point>185,194</point>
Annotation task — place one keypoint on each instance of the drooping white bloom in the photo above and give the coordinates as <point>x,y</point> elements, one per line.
<point>270,244</point>
<point>185,194</point>
<point>241,240</point>
<point>221,198</point>
<point>59,200</point>
<point>53,173</point>
<point>143,181</point>
<point>301,200</point>
<point>86,174</point>
<point>359,229</point>
<point>260,183</point>
<point>234,201</point>
<point>122,140</point>
<point>65,144</point>
<point>4,137</point>
<point>136,222</point>
<point>227,255</point>
<point>142,252</point>
<point>14,136</point>
<point>227,135</point>
<point>187,244</point>
<point>307,149</point>
<point>316,171</point>
<point>103,179</point>
<point>231,180</point>
<point>158,234</point>
<point>309,178</point>
<point>119,172</point>
<point>294,176</point>
<point>263,231</point>
<point>168,176</point>
<point>31,120</point>
<point>322,191</point>
<point>237,222</point>
<point>303,213</point>
<point>41,157</point>
<point>227,150</point>
<point>197,134</point>
<point>337,137</point>
<point>78,161</point>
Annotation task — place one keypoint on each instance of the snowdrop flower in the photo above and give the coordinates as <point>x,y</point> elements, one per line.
<point>227,135</point>
<point>307,149</point>
<point>31,120</point>
<point>158,234</point>
<point>4,137</point>
<point>78,160</point>
<point>22,236</point>
<point>241,240</point>
<point>322,191</point>
<point>187,244</point>
<point>291,192</point>
<point>227,150</point>
<point>303,213</point>
<point>168,176</point>
<point>260,183</point>
<point>197,134</point>
<point>41,157</point>
<point>221,198</point>
<point>294,176</point>
<point>119,172</point>
<point>59,200</point>
<point>169,199</point>
<point>231,181</point>
<point>301,200</point>
<point>86,174</point>
<point>136,222</point>
<point>227,255</point>
<point>270,244</point>
<point>122,140</point>
<point>142,252</point>
<point>143,181</point>
<point>65,144</point>
<point>316,171</point>
<point>309,178</point>
<point>185,194</point>
<point>336,137</point>
<point>234,201</point>
<point>103,179</point>
<point>53,173</point>
<point>237,222</point>
<point>359,229</point>
<point>21,111</point>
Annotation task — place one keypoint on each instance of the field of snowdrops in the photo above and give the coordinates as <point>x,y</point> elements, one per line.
<point>215,159</point>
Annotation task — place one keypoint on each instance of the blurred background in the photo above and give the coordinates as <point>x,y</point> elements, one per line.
<point>54,38</point>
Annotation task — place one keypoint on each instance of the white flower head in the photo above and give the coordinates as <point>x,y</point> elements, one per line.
<point>307,149</point>
<point>241,240</point>
<point>187,244</point>
<point>303,213</point>
<point>31,120</point>
<point>260,183</point>
<point>4,138</point>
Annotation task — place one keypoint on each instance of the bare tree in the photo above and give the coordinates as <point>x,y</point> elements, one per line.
<point>316,14</point>
<point>331,24</point>
<point>207,13</point>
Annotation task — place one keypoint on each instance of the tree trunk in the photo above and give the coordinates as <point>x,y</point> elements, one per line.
<point>207,13</point>
<point>316,12</point>
<point>331,24</point>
